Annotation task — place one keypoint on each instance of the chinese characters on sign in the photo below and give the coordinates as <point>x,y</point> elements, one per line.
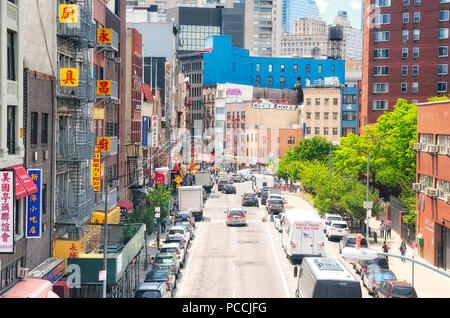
<point>104,87</point>
<point>154,131</point>
<point>34,206</point>
<point>69,77</point>
<point>144,131</point>
<point>68,13</point>
<point>96,165</point>
<point>104,143</point>
<point>7,181</point>
<point>160,178</point>
<point>103,36</point>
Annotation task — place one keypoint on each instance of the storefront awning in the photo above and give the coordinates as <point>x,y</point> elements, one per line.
<point>24,185</point>
<point>126,204</point>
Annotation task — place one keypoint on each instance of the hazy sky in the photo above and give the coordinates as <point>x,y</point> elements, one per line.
<point>330,8</point>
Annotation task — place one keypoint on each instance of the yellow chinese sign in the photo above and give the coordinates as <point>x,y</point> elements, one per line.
<point>104,143</point>
<point>68,13</point>
<point>103,87</point>
<point>104,36</point>
<point>96,169</point>
<point>69,77</point>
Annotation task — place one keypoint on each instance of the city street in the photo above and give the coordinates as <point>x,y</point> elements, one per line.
<point>229,262</point>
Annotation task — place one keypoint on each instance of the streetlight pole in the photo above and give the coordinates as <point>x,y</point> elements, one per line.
<point>367,215</point>
<point>105,241</point>
<point>331,147</point>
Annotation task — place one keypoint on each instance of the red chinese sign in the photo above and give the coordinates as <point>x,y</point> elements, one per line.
<point>160,178</point>
<point>7,181</point>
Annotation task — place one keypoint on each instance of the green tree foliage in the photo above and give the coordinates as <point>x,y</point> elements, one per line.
<point>316,148</point>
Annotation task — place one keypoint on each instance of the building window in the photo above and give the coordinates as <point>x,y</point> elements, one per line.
<point>282,68</point>
<point>380,88</point>
<point>404,70</point>
<point>335,101</point>
<point>281,81</point>
<point>335,116</point>
<point>308,69</point>
<point>325,115</point>
<point>403,88</point>
<point>291,140</point>
<point>381,36</point>
<point>443,15</point>
<point>258,80</point>
<point>406,3</point>
<point>308,115</point>
<point>416,35</point>
<point>379,105</point>
<point>405,17</point>
<point>44,128</point>
<point>382,19</point>
<point>415,70</point>
<point>258,67</point>
<point>382,3</point>
<point>349,99</point>
<point>441,87</point>
<point>443,33</point>
<point>295,68</point>
<point>308,130</point>
<point>11,63</point>
<point>270,68</point>
<point>348,116</point>
<point>308,101</point>
<point>443,51</point>
<point>416,17</point>
<point>405,35</point>
<point>269,81</point>
<point>34,128</point>
<point>317,101</point>
<point>317,115</point>
<point>11,130</point>
<point>415,52</point>
<point>335,131</point>
<point>317,131</point>
<point>404,52</point>
<point>414,87</point>
<point>325,130</point>
<point>381,54</point>
<point>442,69</point>
<point>326,101</point>
<point>320,68</point>
<point>380,70</point>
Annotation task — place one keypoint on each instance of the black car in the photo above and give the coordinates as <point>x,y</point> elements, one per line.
<point>161,276</point>
<point>229,188</point>
<point>250,199</point>
<point>373,278</point>
<point>264,196</point>
<point>221,184</point>
<point>364,265</point>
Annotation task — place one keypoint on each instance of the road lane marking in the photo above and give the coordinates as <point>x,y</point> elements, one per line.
<point>283,280</point>
<point>189,260</point>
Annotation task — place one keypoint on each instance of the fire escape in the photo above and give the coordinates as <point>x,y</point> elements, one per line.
<point>75,138</point>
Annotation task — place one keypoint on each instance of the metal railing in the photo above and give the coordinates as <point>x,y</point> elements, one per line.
<point>84,91</point>
<point>73,145</point>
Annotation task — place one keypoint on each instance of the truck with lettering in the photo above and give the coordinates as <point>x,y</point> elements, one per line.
<point>303,234</point>
<point>190,198</point>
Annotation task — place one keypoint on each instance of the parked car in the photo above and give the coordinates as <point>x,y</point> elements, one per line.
<point>236,217</point>
<point>373,278</point>
<point>185,216</point>
<point>174,248</point>
<point>279,221</point>
<point>264,195</point>
<point>167,261</point>
<point>250,199</point>
<point>186,224</point>
<point>364,265</point>
<point>161,276</point>
<point>237,179</point>
<point>180,231</point>
<point>349,240</point>
<point>221,183</point>
<point>395,289</point>
<point>275,206</point>
<point>330,217</point>
<point>176,239</point>
<point>153,290</point>
<point>337,229</point>
<point>229,188</point>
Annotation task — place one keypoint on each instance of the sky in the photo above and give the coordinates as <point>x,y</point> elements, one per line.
<point>329,9</point>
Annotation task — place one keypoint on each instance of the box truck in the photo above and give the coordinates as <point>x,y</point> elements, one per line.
<point>203,178</point>
<point>190,198</point>
<point>303,234</point>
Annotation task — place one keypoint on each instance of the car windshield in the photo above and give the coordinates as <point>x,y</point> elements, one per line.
<point>157,276</point>
<point>339,225</point>
<point>236,212</point>
<point>176,231</point>
<point>334,218</point>
<point>147,294</point>
<point>403,291</point>
<point>384,276</point>
<point>164,260</point>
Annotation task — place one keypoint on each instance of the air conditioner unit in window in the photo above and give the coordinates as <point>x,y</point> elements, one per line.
<point>118,59</point>
<point>35,156</point>
<point>417,146</point>
<point>432,192</point>
<point>433,148</point>
<point>416,186</point>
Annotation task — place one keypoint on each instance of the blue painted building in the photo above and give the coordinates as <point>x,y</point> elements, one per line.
<point>349,110</point>
<point>223,63</point>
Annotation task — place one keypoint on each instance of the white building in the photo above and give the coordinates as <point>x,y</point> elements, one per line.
<point>353,38</point>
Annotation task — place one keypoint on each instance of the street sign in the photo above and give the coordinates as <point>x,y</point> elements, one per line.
<point>178,179</point>
<point>158,209</point>
<point>369,213</point>
<point>102,275</point>
<point>368,204</point>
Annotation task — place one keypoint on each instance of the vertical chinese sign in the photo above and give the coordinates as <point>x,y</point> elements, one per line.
<point>68,13</point>
<point>144,131</point>
<point>7,197</point>
<point>34,206</point>
<point>154,131</point>
<point>96,165</point>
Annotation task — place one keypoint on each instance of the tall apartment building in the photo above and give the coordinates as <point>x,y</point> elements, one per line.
<point>309,38</point>
<point>260,35</point>
<point>293,10</point>
<point>405,54</point>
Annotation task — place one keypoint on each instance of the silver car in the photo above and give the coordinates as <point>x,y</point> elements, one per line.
<point>167,261</point>
<point>236,216</point>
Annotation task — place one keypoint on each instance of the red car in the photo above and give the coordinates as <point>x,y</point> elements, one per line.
<point>395,289</point>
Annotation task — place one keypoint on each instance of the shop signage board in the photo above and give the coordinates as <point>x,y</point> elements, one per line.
<point>96,169</point>
<point>104,143</point>
<point>144,131</point>
<point>103,88</point>
<point>267,104</point>
<point>7,198</point>
<point>69,77</point>
<point>154,131</point>
<point>34,206</point>
<point>68,13</point>
<point>103,36</point>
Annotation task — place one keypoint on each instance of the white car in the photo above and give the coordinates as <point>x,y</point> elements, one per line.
<point>279,221</point>
<point>328,218</point>
<point>337,229</point>
<point>180,231</point>
<point>174,248</point>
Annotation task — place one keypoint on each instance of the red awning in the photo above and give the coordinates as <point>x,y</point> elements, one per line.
<point>126,205</point>
<point>146,89</point>
<point>24,185</point>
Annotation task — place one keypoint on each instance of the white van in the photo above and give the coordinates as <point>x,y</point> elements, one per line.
<point>302,234</point>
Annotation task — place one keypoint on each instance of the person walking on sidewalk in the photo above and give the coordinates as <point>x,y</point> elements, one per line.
<point>388,228</point>
<point>403,250</point>
<point>382,228</point>
<point>163,225</point>
<point>385,249</point>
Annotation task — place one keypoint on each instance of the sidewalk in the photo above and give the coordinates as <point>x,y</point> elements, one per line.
<point>428,284</point>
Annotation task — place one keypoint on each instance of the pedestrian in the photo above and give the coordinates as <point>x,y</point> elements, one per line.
<point>403,250</point>
<point>163,224</point>
<point>382,228</point>
<point>388,228</point>
<point>385,249</point>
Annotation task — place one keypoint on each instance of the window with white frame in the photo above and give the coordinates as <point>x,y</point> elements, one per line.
<point>443,188</point>
<point>406,3</point>
<point>442,69</point>
<point>425,182</point>
<point>443,51</point>
<point>416,35</point>
<point>382,3</point>
<point>415,70</point>
<point>405,18</point>
<point>380,70</point>
<point>416,17</point>
<point>404,52</point>
<point>380,88</point>
<point>404,70</point>
<point>416,2</point>
<point>414,87</point>
<point>382,18</point>
<point>426,139</point>
<point>441,87</point>
<point>403,87</point>
<point>415,52</point>
<point>382,36</point>
<point>443,142</point>
<point>443,33</point>
<point>443,15</point>
<point>379,105</point>
<point>405,35</point>
<point>381,53</point>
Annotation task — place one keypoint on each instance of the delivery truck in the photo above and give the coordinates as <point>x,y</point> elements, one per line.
<point>190,198</point>
<point>203,178</point>
<point>303,234</point>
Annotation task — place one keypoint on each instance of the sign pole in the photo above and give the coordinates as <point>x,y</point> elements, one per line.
<point>105,243</point>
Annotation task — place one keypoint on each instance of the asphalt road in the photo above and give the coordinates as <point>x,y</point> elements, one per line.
<point>240,262</point>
